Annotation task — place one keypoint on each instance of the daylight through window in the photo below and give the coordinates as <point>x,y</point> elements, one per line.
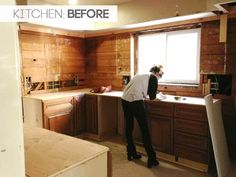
<point>177,51</point>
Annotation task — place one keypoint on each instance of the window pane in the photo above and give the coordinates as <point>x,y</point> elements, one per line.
<point>151,50</point>
<point>177,51</point>
<point>182,57</point>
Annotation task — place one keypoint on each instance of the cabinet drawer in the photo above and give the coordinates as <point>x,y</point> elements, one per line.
<point>159,108</point>
<point>191,112</point>
<point>59,106</point>
<point>189,126</point>
<point>191,154</point>
<point>59,109</point>
<point>198,142</point>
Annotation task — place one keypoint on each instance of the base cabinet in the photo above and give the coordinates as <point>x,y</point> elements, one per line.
<point>160,123</point>
<point>160,117</point>
<point>175,128</point>
<point>59,115</point>
<point>63,115</point>
<point>101,116</point>
<point>178,129</point>
<point>191,133</point>
<point>79,113</point>
<point>91,114</point>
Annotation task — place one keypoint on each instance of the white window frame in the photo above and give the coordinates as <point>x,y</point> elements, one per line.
<point>197,80</point>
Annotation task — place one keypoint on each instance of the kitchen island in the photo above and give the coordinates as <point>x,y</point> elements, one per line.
<point>52,154</point>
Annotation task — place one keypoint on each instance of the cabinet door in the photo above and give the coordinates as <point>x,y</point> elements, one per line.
<point>160,117</point>
<point>91,114</point>
<point>161,133</point>
<point>59,115</point>
<point>79,113</point>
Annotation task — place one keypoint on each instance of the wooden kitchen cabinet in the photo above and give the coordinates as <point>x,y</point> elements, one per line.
<point>59,112</point>
<point>160,122</point>
<point>191,133</point>
<point>58,115</point>
<point>79,113</point>
<point>160,117</point>
<point>91,114</point>
<point>101,116</point>
<point>178,129</point>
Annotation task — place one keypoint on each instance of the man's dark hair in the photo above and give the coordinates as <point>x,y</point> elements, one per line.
<point>156,68</point>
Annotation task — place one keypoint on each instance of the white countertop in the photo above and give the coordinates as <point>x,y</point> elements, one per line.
<point>112,93</point>
<point>183,100</point>
<point>118,94</point>
<point>55,95</point>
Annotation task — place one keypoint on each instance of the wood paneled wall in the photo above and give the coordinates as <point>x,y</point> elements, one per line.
<point>104,60</point>
<point>108,59</point>
<point>216,57</point>
<point>212,51</point>
<point>48,58</point>
<point>106,54</point>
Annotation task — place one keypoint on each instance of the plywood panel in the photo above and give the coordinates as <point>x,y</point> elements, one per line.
<point>223,27</point>
<point>217,132</point>
<point>52,154</point>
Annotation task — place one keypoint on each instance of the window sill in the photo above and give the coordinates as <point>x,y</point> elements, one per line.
<point>178,84</point>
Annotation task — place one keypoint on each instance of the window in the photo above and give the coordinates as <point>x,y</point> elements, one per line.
<point>177,51</point>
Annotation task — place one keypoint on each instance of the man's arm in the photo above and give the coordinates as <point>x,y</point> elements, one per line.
<point>152,87</point>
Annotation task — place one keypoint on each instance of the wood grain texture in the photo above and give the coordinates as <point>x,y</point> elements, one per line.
<point>52,154</point>
<point>53,56</point>
<point>107,58</point>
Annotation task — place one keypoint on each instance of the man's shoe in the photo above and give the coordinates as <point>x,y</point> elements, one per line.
<point>152,162</point>
<point>133,156</point>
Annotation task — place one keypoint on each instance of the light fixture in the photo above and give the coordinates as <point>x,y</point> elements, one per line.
<point>72,2</point>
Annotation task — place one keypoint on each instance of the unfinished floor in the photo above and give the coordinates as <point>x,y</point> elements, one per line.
<point>121,167</point>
